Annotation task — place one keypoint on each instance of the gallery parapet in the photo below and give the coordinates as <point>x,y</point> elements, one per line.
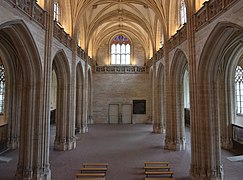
<point>62,36</point>
<point>80,52</point>
<point>90,61</point>
<point>210,10</point>
<point>179,37</point>
<point>120,69</point>
<point>32,9</point>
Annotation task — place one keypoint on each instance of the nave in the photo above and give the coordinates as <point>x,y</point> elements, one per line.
<point>125,148</point>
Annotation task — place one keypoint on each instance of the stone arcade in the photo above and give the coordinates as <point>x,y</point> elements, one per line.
<point>77,62</point>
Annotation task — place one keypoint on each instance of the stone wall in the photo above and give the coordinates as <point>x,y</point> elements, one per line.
<point>119,89</point>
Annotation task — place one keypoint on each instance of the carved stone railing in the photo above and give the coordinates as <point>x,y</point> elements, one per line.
<point>210,10</point>
<point>90,61</point>
<point>120,69</point>
<point>62,36</point>
<point>32,9</point>
<point>80,52</point>
<point>179,37</point>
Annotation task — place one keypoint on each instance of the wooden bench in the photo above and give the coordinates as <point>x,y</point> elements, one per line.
<point>153,173</point>
<point>157,168</point>
<point>90,178</point>
<point>162,178</point>
<point>93,169</point>
<point>156,163</point>
<point>90,175</point>
<point>95,164</point>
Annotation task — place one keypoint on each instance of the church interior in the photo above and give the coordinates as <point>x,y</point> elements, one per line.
<point>123,83</point>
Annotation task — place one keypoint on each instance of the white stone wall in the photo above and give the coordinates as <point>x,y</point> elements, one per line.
<point>119,89</point>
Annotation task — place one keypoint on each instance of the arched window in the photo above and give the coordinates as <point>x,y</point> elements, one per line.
<point>2,88</point>
<point>182,11</point>
<point>120,50</point>
<point>56,11</point>
<point>239,90</point>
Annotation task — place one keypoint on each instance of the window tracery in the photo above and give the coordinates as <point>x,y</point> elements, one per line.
<point>239,89</point>
<point>2,88</point>
<point>120,50</point>
<point>56,11</point>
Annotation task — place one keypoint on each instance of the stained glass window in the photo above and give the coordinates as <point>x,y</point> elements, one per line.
<point>120,50</point>
<point>239,90</point>
<point>2,88</point>
<point>182,12</point>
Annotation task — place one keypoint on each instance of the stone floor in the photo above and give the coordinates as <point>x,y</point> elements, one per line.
<point>125,148</point>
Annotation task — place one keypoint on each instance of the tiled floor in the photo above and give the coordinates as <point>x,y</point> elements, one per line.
<point>125,148</point>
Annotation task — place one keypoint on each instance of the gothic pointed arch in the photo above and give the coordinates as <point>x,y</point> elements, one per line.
<point>64,140</point>
<point>175,129</point>
<point>216,110</point>
<point>20,57</point>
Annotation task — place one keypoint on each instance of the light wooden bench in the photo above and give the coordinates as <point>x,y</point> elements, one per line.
<point>95,164</point>
<point>162,178</point>
<point>90,175</point>
<point>93,169</point>
<point>157,168</point>
<point>90,178</point>
<point>153,173</point>
<point>156,163</point>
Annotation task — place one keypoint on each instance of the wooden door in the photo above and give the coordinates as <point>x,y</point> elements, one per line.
<point>126,113</point>
<point>113,113</point>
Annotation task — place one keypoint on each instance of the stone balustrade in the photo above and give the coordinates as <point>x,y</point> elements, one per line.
<point>210,10</point>
<point>62,36</point>
<point>32,9</point>
<point>120,69</point>
<point>179,37</point>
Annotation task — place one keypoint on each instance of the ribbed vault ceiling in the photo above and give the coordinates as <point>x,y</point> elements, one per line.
<point>96,20</point>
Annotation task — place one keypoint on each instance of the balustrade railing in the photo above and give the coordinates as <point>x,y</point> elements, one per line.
<point>62,36</point>
<point>32,9</point>
<point>179,37</point>
<point>210,10</point>
<point>120,69</point>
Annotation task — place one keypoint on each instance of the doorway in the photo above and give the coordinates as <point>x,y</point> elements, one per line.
<point>126,113</point>
<point>120,114</point>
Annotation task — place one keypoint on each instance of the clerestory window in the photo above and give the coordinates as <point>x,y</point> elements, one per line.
<point>120,50</point>
<point>182,11</point>
<point>56,11</point>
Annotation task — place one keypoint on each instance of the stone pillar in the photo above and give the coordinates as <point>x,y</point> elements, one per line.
<point>86,93</point>
<point>170,140</point>
<point>13,115</point>
<point>226,113</point>
<point>71,138</point>
<point>205,147</point>
<point>157,127</point>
